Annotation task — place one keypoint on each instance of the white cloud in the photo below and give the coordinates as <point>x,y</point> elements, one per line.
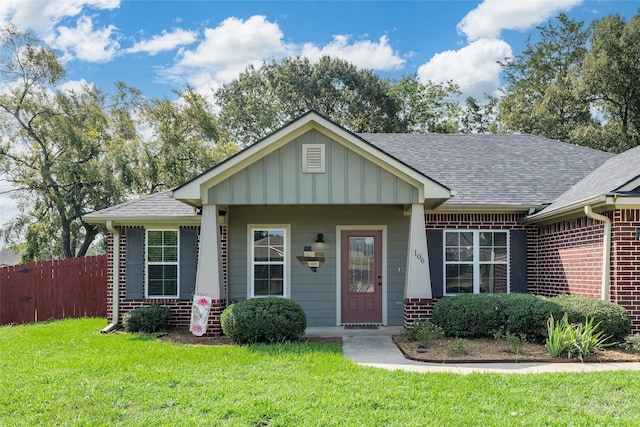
<point>43,15</point>
<point>363,53</point>
<point>75,85</point>
<point>474,67</point>
<point>164,42</point>
<point>85,43</point>
<point>228,49</point>
<point>492,16</point>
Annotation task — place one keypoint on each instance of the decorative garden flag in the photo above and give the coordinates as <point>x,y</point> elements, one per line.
<point>200,314</point>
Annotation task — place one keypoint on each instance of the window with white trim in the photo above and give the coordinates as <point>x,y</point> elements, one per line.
<point>162,263</point>
<point>268,254</point>
<point>476,261</point>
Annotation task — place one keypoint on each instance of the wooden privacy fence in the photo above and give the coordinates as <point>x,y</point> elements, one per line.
<point>58,289</point>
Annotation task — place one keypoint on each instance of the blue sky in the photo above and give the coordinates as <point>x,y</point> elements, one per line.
<point>158,46</point>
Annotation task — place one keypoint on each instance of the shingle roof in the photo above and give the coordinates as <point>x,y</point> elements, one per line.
<point>493,169</point>
<point>154,206</point>
<point>484,169</point>
<point>605,179</point>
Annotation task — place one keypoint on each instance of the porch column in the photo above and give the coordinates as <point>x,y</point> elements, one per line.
<point>209,278</point>
<point>418,279</point>
<point>418,300</point>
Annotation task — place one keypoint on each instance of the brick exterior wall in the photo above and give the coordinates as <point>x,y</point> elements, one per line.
<point>417,309</point>
<point>570,260</point>
<point>180,309</point>
<point>422,309</point>
<point>625,263</point>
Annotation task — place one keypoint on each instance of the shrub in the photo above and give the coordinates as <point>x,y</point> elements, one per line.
<point>150,319</point>
<point>613,320</point>
<point>423,332</point>
<point>263,320</point>
<point>580,340</point>
<point>560,336</point>
<point>523,315</point>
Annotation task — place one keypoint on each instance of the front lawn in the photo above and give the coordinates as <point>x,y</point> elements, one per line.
<point>67,373</point>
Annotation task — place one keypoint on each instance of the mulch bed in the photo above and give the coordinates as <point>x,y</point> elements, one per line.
<point>441,350</point>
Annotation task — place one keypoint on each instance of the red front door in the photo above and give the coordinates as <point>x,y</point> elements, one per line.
<point>361,276</point>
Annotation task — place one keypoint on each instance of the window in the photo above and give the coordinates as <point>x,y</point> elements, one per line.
<point>476,261</point>
<point>268,256</point>
<point>162,263</point>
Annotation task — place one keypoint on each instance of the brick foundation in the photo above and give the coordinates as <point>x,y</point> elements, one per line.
<point>180,309</point>
<point>417,309</point>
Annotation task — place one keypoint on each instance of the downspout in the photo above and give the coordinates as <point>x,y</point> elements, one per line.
<point>115,298</point>
<point>606,249</point>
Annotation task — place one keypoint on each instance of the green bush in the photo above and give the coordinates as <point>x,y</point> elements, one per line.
<point>423,332</point>
<point>523,315</point>
<point>263,320</point>
<point>614,320</point>
<point>150,319</point>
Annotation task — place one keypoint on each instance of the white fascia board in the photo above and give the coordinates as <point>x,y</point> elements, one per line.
<point>427,187</point>
<point>484,208</point>
<point>625,202</point>
<point>573,208</point>
<point>197,189</point>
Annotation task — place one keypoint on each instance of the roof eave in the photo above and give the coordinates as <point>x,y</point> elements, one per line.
<point>568,210</point>
<point>484,208</point>
<point>146,220</point>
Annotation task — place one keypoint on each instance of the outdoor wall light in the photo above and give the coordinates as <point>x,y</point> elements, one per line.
<point>637,233</point>
<point>320,238</point>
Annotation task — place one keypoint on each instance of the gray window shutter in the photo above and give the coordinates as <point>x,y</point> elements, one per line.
<point>135,263</point>
<point>188,261</point>
<point>436,261</point>
<point>518,260</point>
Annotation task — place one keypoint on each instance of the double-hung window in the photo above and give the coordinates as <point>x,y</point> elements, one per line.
<point>268,261</point>
<point>162,263</point>
<point>476,261</point>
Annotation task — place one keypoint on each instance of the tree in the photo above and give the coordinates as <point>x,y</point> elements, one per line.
<point>53,150</point>
<point>183,141</point>
<point>610,75</point>
<point>427,107</point>
<point>541,95</point>
<point>261,100</point>
<point>68,153</point>
<point>479,117</point>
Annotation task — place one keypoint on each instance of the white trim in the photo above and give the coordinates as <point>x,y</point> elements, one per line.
<point>148,263</point>
<point>195,192</point>
<point>476,258</point>
<point>339,230</point>
<point>286,289</point>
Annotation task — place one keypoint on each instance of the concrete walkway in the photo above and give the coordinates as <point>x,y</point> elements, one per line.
<point>374,347</point>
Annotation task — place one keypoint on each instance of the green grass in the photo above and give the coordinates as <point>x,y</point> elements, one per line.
<point>66,373</point>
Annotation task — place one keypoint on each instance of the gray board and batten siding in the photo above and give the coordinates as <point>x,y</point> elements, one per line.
<point>277,178</point>
<point>316,292</point>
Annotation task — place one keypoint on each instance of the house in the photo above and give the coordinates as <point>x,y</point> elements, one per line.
<point>375,228</point>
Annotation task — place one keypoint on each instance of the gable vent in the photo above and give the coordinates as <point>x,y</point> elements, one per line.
<point>313,158</point>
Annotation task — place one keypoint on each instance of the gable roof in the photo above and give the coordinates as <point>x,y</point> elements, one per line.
<point>157,207</point>
<point>494,170</point>
<point>619,176</point>
<point>194,191</point>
